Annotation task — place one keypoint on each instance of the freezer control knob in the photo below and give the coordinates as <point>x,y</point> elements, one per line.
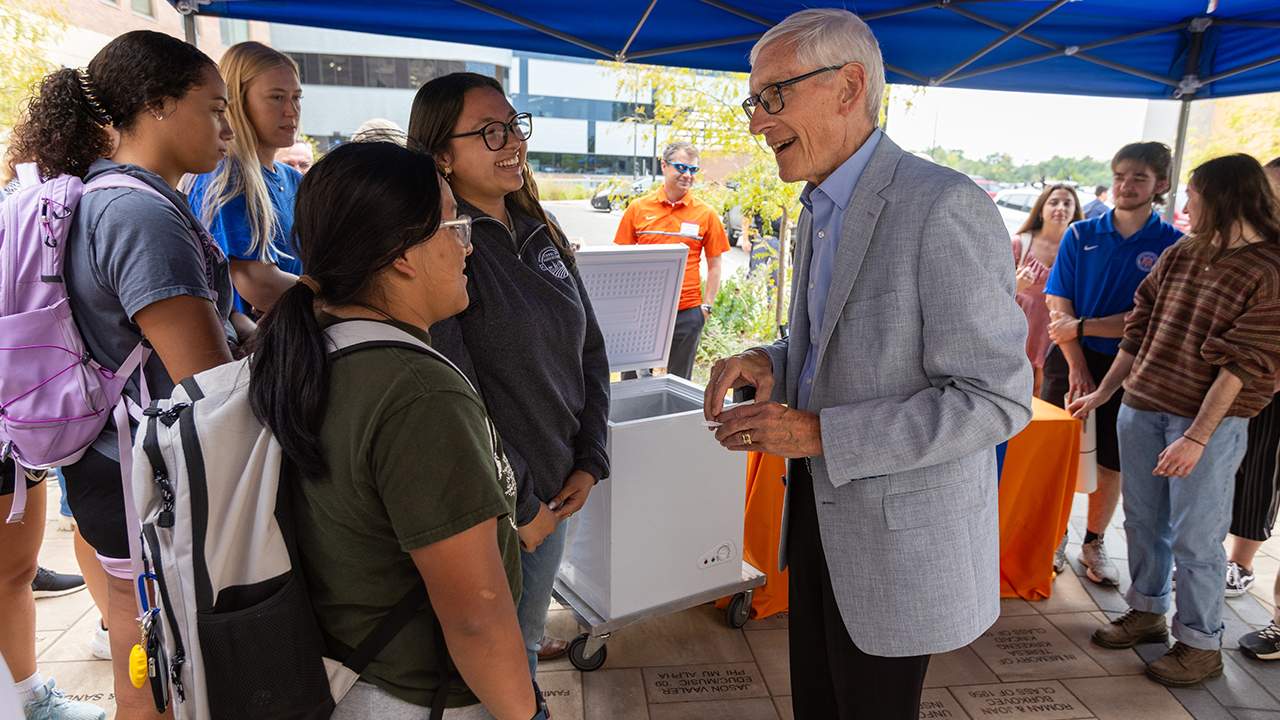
<point>723,553</point>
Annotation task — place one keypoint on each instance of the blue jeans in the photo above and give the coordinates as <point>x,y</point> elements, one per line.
<point>538,570</point>
<point>1183,518</point>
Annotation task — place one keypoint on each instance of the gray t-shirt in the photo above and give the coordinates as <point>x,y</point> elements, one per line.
<point>126,250</point>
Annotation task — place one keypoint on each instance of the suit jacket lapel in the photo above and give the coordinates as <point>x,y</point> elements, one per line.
<point>855,235</point>
<point>799,323</point>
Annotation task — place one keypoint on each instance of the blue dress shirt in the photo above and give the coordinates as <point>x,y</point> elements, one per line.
<point>827,203</point>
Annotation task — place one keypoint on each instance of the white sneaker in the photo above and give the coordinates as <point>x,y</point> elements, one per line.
<point>66,523</point>
<point>101,642</point>
<point>1100,568</point>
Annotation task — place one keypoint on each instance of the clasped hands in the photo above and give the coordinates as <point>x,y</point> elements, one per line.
<point>568,501</point>
<point>763,426</point>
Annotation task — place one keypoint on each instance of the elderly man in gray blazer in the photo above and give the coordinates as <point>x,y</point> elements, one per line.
<point>904,369</point>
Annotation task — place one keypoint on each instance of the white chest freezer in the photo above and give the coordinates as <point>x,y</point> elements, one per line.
<point>667,524</point>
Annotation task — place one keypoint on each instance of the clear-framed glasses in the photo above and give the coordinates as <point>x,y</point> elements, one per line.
<point>770,98</point>
<point>495,134</point>
<point>682,168</point>
<point>461,229</point>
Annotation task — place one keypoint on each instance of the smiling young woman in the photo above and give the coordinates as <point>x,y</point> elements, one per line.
<point>529,337</point>
<point>247,202</point>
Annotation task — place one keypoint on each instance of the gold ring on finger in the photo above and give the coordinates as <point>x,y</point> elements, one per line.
<point>746,438</point>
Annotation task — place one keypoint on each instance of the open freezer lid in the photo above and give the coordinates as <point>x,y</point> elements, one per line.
<point>635,292</point>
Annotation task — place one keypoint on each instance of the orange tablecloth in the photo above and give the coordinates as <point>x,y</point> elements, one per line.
<point>1036,489</point>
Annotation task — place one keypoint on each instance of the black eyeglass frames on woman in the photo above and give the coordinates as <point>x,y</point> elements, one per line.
<point>770,98</point>
<point>495,134</point>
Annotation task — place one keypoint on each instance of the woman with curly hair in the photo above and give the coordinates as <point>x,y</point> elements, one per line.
<point>247,202</point>
<point>138,264</point>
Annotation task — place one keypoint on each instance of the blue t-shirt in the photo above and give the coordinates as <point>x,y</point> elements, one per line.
<point>230,227</point>
<point>1099,271</point>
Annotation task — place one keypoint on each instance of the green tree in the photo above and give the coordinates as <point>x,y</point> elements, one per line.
<point>1249,125</point>
<point>27,27</point>
<point>705,108</point>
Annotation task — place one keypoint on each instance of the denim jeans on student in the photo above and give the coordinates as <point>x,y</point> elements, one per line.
<point>539,573</point>
<point>1178,518</point>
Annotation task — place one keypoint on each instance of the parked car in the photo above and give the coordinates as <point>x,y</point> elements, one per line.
<point>618,195</point>
<point>991,186</point>
<point>732,220</point>
<point>1015,206</point>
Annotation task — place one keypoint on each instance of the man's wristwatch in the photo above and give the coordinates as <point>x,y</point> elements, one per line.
<point>707,308</point>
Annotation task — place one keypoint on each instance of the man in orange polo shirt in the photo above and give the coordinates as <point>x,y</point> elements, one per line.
<point>671,214</point>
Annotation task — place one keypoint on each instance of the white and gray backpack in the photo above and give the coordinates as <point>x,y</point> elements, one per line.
<point>233,635</point>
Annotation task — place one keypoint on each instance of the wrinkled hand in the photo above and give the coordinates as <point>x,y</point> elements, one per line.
<point>772,428</point>
<point>1025,277</point>
<point>1083,405</point>
<point>752,367</point>
<point>573,495</point>
<point>1062,327</point>
<point>1179,459</point>
<point>532,535</point>
<point>1081,383</point>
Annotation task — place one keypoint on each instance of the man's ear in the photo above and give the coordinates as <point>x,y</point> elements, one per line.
<point>853,78</point>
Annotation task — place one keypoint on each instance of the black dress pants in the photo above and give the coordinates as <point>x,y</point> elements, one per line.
<point>831,679</point>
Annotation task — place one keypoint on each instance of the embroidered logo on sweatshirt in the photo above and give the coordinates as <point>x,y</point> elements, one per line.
<point>550,262</point>
<point>1147,260</point>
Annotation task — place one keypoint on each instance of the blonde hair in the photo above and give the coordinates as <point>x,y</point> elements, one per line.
<point>238,173</point>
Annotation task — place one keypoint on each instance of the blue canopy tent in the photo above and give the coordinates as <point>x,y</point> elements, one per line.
<point>1155,49</point>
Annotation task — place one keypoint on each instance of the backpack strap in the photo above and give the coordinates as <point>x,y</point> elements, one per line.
<point>28,174</point>
<point>343,338</point>
<point>357,334</point>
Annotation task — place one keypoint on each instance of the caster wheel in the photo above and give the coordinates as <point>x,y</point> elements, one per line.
<point>577,647</point>
<point>738,612</point>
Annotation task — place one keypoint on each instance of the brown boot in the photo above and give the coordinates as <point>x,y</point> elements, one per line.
<point>552,648</point>
<point>1132,628</point>
<point>1185,665</point>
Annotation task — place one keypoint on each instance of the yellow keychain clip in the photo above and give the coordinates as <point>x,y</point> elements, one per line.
<point>138,666</point>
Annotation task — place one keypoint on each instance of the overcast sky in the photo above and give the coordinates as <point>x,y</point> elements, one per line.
<point>1030,127</point>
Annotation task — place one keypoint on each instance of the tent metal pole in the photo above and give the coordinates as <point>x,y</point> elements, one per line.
<point>606,52</point>
<point>189,27</point>
<point>694,46</point>
<point>622,54</point>
<point>1009,35</point>
<point>1184,118</point>
<point>739,12</point>
<point>1073,52</point>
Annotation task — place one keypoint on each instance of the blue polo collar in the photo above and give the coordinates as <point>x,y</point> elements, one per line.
<point>1150,231</point>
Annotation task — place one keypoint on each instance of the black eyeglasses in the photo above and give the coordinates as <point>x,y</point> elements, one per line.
<point>770,98</point>
<point>495,133</point>
<point>682,168</point>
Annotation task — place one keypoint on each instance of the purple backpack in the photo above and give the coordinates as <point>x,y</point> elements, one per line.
<point>54,398</point>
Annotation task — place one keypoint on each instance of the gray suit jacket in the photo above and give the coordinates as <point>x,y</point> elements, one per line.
<point>921,373</point>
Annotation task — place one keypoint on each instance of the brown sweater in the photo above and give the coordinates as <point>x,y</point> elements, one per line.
<point>1188,322</point>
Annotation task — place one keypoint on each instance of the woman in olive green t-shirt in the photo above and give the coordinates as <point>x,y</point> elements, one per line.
<point>377,506</point>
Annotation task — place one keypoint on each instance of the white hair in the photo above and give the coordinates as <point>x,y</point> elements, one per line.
<point>822,37</point>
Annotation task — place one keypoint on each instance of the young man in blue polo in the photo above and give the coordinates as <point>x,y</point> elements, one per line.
<point>1100,264</point>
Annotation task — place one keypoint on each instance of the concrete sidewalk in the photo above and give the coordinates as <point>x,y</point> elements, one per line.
<point>692,665</point>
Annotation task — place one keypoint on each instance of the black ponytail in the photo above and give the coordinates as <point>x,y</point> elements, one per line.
<point>357,210</point>
<point>62,129</point>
